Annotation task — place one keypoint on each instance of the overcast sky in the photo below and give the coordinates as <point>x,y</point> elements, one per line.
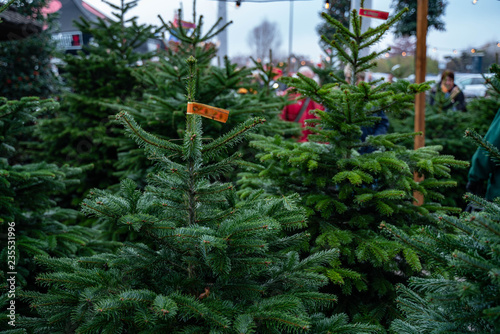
<point>467,25</point>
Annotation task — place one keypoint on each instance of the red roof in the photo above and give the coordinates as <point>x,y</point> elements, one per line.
<point>93,10</point>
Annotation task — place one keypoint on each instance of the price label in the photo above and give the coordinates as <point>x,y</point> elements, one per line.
<point>217,114</point>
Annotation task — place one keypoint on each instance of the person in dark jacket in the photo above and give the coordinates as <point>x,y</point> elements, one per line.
<point>483,169</point>
<point>379,128</point>
<point>451,91</point>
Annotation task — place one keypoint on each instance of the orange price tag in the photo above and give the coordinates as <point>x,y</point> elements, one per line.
<point>217,114</point>
<point>378,14</point>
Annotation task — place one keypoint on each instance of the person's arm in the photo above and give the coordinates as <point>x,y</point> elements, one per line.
<point>432,95</point>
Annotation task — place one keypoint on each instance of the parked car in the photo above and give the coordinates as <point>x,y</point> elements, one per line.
<point>428,77</point>
<point>473,85</point>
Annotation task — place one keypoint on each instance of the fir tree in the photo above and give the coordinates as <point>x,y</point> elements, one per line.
<point>81,134</point>
<point>464,296</point>
<point>208,263</point>
<point>31,221</point>
<point>446,127</point>
<point>347,194</point>
<point>25,68</point>
<point>340,11</point>
<point>407,26</point>
<point>161,108</point>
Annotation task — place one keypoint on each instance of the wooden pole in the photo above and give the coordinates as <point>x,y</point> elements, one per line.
<point>420,70</point>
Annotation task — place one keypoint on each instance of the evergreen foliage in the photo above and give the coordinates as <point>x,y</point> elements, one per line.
<point>29,211</point>
<point>25,68</point>
<point>208,261</point>
<point>464,296</point>
<point>162,107</point>
<point>443,128</point>
<point>348,195</point>
<point>328,65</point>
<point>486,107</point>
<point>80,134</point>
<point>339,10</point>
<point>407,26</point>
<point>446,127</point>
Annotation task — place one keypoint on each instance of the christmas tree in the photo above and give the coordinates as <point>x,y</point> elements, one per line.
<point>446,127</point>
<point>349,194</point>
<point>31,221</point>
<point>161,108</point>
<point>25,60</point>
<point>80,133</point>
<point>207,262</point>
<point>464,296</point>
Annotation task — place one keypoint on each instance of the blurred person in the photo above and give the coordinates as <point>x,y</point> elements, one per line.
<point>451,91</point>
<point>368,77</point>
<point>277,85</point>
<point>485,170</point>
<point>299,110</point>
<point>379,128</point>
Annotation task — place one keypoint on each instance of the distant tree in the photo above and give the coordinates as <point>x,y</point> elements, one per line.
<point>263,37</point>
<point>491,54</point>
<point>241,60</point>
<point>408,24</point>
<point>464,61</point>
<point>80,133</point>
<point>407,44</point>
<point>25,68</point>
<point>460,63</point>
<point>339,10</point>
<point>407,65</point>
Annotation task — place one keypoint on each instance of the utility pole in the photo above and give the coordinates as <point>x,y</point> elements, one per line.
<point>222,51</point>
<point>290,39</point>
<point>365,21</point>
<point>420,70</point>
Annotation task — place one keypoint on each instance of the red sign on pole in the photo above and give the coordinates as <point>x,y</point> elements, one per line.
<point>377,14</point>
